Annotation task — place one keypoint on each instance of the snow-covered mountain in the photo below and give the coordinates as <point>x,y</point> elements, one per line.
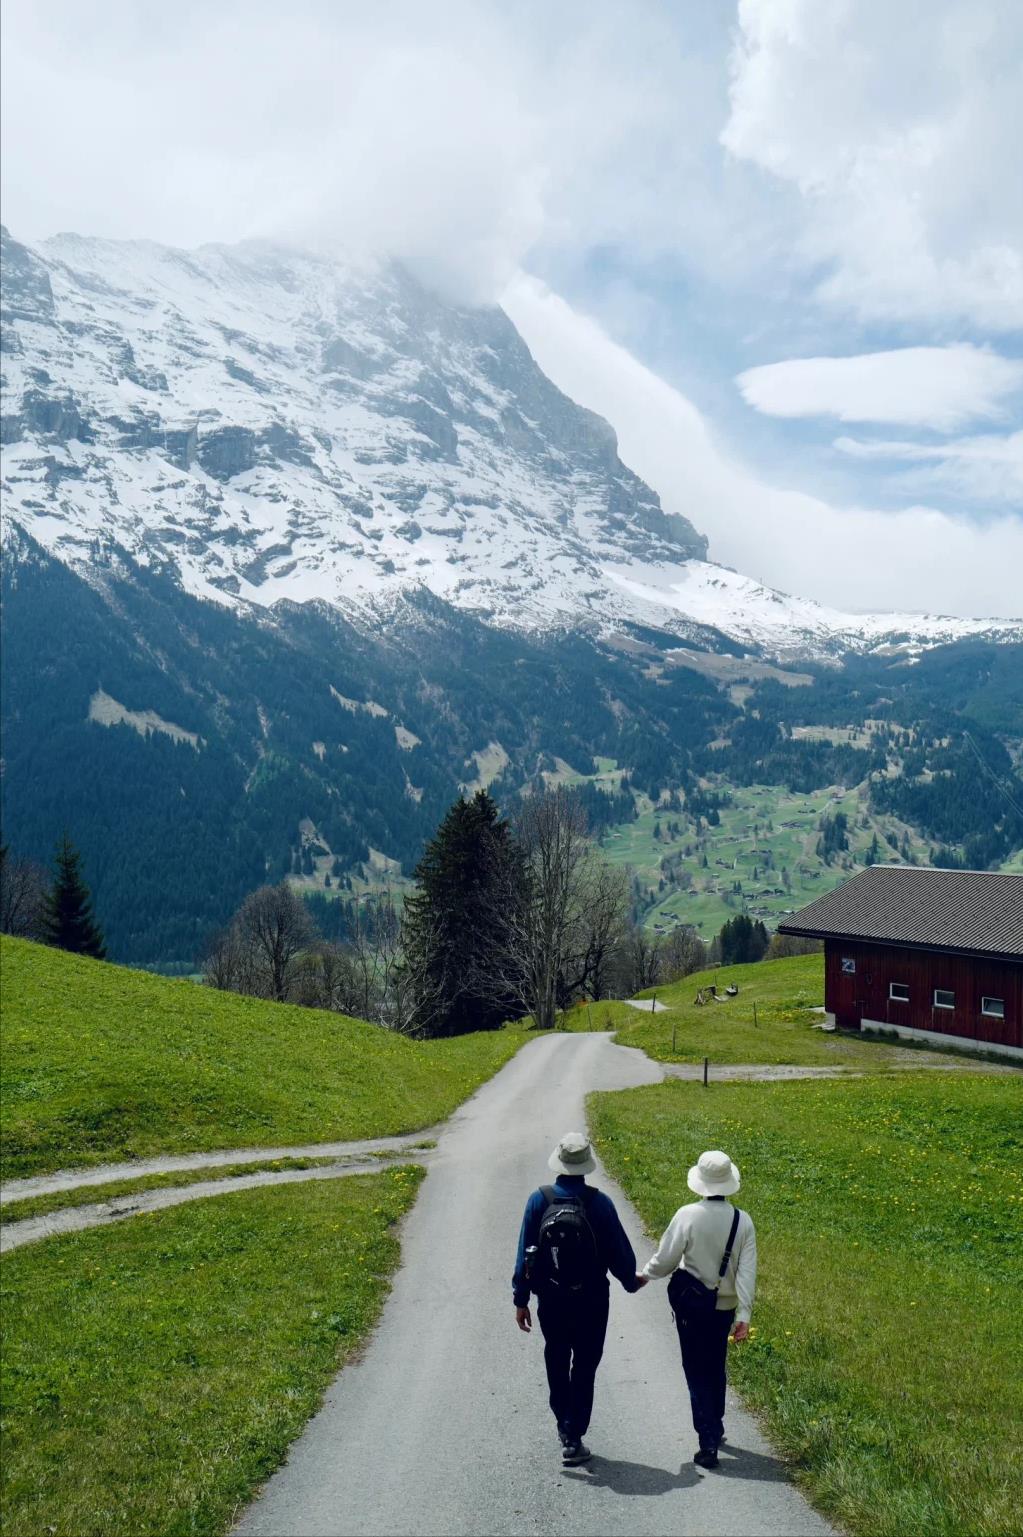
<point>270,425</point>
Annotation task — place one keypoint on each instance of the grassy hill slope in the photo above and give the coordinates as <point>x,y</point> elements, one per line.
<point>100,1062</point>
<point>890,1264</point>
<point>771,1019</point>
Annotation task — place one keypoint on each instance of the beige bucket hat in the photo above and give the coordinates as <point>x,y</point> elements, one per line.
<point>714,1174</point>
<point>573,1155</point>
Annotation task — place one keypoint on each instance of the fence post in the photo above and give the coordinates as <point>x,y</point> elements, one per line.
<point>755,1025</point>
<point>674,1027</point>
<point>705,1062</point>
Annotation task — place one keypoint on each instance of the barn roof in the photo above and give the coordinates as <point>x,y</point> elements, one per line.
<point>973,912</point>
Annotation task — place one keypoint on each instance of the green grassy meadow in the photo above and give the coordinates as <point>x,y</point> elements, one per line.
<point>101,1063</point>
<point>889,1213</point>
<point>154,1373</point>
<point>786,994</point>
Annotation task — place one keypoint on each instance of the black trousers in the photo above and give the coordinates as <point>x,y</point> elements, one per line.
<point>704,1349</point>
<point>573,1332</point>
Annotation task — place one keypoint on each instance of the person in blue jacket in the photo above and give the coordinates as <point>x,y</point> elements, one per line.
<point>572,1308</point>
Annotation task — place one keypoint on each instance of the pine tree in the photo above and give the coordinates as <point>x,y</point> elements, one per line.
<point>451,922</point>
<point>68,922</point>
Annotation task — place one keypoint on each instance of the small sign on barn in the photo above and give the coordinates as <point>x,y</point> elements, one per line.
<point>927,955</point>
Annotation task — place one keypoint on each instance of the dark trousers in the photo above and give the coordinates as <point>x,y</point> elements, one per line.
<point>573,1332</point>
<point>704,1348</point>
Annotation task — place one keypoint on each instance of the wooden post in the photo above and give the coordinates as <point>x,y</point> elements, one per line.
<point>589,1015</point>
<point>705,1062</point>
<point>755,1025</point>
<point>674,1027</point>
<point>653,1004</point>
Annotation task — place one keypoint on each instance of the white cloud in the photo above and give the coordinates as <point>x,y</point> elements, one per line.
<point>454,137</point>
<point>870,163</point>
<point>987,468</point>
<point>938,387</point>
<point>898,127</point>
<point>466,136</point>
<point>855,558</point>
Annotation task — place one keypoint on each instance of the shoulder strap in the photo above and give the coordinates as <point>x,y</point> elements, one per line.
<point>550,1195</point>
<point>728,1247</point>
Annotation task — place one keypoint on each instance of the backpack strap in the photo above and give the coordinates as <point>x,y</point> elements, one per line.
<point>550,1195</point>
<point>728,1247</point>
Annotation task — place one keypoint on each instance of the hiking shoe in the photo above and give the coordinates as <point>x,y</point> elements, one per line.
<point>706,1457</point>
<point>575,1452</point>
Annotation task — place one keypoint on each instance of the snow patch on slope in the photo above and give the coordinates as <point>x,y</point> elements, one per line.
<point>269,426</point>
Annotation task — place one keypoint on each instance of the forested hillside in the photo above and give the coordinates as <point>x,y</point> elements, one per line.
<point>194,752</point>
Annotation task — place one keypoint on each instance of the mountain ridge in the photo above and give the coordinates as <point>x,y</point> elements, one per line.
<point>293,556</point>
<point>271,425</point>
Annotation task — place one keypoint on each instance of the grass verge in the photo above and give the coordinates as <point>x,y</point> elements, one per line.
<point>92,1195</point>
<point>786,994</point>
<point>889,1213</point>
<point>155,1372</point>
<point>101,1062</point>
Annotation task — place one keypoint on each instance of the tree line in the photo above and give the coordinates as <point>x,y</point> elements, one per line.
<point>55,911</point>
<point>511,916</point>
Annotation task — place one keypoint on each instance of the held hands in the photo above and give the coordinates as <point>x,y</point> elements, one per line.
<point>524,1319</point>
<point>740,1333</point>
<point>641,1281</point>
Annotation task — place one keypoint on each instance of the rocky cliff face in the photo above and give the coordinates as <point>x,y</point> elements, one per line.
<point>265,425</point>
<point>269,425</point>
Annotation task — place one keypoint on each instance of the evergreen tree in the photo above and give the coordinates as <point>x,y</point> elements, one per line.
<point>741,940</point>
<point>68,921</point>
<point>452,924</point>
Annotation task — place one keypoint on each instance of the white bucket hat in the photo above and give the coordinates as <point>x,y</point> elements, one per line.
<point>573,1155</point>
<point>714,1174</point>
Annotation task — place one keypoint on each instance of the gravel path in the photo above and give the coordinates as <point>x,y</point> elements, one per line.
<point>646,1005</point>
<point>75,1219</point>
<point>442,1425</point>
<point>764,1072</point>
<point>177,1163</point>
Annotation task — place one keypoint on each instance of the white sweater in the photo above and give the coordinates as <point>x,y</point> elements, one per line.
<point>695,1241</point>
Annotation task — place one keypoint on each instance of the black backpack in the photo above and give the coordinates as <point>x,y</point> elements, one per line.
<point>567,1259</point>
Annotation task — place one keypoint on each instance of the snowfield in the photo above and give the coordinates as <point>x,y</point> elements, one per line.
<point>270,425</point>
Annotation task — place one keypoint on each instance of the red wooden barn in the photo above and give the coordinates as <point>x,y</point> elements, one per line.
<point>929,955</point>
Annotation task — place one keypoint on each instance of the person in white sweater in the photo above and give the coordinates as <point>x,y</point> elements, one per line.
<point>693,1250</point>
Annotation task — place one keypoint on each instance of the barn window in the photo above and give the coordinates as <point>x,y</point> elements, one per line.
<point>994,1008</point>
<point>848,967</point>
<point>944,999</point>
<point>899,992</point>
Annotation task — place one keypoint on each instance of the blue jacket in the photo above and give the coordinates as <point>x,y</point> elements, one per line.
<point>613,1246</point>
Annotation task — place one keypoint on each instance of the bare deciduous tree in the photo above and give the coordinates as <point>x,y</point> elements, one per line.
<point>561,914</point>
<point>683,952</point>
<point>224,962</point>
<point>23,889</point>
<point>371,974</point>
<point>273,927</point>
<point>605,927</point>
<point>643,959</point>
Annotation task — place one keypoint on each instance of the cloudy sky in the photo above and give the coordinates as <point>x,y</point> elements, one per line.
<point>778,243</point>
